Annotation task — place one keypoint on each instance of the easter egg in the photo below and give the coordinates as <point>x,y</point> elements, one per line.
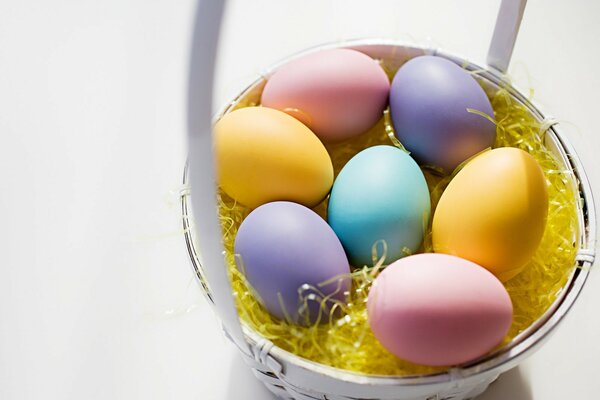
<point>265,155</point>
<point>493,212</point>
<point>338,93</point>
<point>429,98</point>
<point>292,260</point>
<point>437,310</point>
<point>380,194</point>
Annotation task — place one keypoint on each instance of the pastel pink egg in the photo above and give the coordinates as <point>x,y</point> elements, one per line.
<point>438,310</point>
<point>337,93</point>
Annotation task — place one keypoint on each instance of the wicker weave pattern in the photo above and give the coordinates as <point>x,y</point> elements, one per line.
<point>270,373</point>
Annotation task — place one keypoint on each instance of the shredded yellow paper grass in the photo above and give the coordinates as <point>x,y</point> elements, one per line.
<point>347,342</point>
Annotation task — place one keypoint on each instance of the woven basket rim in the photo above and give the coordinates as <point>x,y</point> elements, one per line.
<point>519,347</point>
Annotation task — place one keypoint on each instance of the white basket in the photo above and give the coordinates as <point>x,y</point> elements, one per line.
<point>292,377</point>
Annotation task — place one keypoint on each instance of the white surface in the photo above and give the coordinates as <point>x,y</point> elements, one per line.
<point>97,299</point>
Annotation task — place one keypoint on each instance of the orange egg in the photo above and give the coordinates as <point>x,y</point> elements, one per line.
<point>493,212</point>
<point>265,155</point>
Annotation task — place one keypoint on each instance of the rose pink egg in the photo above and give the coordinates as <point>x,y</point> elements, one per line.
<point>337,93</point>
<point>438,310</point>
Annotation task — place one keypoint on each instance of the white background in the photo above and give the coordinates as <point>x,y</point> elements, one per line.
<point>97,298</point>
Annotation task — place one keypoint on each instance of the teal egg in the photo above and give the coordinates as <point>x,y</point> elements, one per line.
<point>380,194</point>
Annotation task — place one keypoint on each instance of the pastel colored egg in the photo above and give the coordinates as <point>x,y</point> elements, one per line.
<point>379,195</point>
<point>494,212</point>
<point>429,99</point>
<point>338,93</point>
<point>265,155</point>
<point>292,260</point>
<point>438,310</point>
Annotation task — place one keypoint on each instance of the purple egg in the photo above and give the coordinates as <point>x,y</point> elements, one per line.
<point>282,247</point>
<point>429,99</point>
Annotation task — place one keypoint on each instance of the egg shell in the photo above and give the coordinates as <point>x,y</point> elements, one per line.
<point>380,194</point>
<point>338,93</point>
<point>436,309</point>
<point>283,246</point>
<point>265,155</point>
<point>429,98</point>
<point>493,212</point>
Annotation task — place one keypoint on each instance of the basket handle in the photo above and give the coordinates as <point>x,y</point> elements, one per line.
<point>505,33</point>
<point>209,14</point>
<point>201,164</point>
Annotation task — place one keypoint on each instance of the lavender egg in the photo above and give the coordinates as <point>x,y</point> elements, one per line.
<point>287,252</point>
<point>429,98</point>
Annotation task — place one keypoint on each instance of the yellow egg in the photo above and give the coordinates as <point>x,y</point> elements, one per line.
<point>265,155</point>
<point>493,212</point>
